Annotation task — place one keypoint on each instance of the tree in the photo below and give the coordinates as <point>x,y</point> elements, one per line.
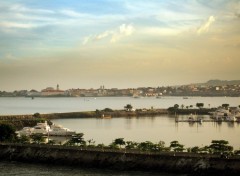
<point>182,106</point>
<point>145,146</point>
<point>77,139</point>
<point>128,107</point>
<point>176,106</point>
<point>176,147</point>
<point>225,105</point>
<point>91,143</point>
<point>7,133</point>
<point>131,145</point>
<point>37,138</point>
<point>200,105</point>
<point>220,147</point>
<point>119,141</point>
<point>108,110</point>
<point>36,115</point>
<point>24,139</point>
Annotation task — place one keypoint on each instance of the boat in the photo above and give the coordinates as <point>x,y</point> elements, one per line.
<point>58,130</point>
<point>46,130</point>
<point>104,116</point>
<point>41,128</point>
<point>26,131</point>
<point>136,96</point>
<point>185,97</point>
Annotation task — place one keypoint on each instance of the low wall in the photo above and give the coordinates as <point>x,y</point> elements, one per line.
<point>164,162</point>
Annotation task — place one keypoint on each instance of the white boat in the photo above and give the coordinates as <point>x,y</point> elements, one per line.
<point>41,128</point>
<point>45,129</point>
<point>58,130</point>
<point>26,131</point>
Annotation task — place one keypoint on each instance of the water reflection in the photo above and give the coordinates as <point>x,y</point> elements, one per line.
<point>230,124</point>
<point>153,129</point>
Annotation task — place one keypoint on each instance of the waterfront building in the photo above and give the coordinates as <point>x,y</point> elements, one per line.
<point>50,91</point>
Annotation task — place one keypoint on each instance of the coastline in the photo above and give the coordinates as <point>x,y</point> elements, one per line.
<point>173,162</point>
<point>112,113</point>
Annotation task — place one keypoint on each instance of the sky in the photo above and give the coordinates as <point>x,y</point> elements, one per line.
<point>117,43</point>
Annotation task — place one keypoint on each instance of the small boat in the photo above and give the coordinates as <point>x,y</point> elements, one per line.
<point>106,116</point>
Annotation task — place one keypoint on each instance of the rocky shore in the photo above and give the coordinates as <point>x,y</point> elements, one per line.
<point>171,162</point>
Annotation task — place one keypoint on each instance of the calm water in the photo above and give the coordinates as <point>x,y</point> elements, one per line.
<point>50,105</point>
<point>105,131</point>
<point>154,129</point>
<point>16,169</point>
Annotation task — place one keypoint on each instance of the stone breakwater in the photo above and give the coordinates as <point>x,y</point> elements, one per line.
<point>194,164</point>
<point>86,114</point>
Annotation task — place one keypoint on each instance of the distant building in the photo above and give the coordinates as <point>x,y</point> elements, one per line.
<point>50,91</point>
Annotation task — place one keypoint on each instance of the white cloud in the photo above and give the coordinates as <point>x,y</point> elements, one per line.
<point>114,35</point>
<point>21,8</point>
<point>205,27</point>
<point>72,13</point>
<point>16,25</point>
<point>103,35</point>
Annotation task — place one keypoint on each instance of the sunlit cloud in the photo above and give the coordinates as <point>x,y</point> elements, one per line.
<point>124,30</point>
<point>114,35</point>
<point>205,27</point>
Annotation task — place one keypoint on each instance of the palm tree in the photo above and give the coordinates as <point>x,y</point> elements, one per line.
<point>220,147</point>
<point>176,147</point>
<point>119,141</point>
<point>128,107</point>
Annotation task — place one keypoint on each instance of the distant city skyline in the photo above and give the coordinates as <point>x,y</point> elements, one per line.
<point>117,43</point>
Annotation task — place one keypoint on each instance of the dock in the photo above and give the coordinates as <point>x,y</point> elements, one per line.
<point>201,121</point>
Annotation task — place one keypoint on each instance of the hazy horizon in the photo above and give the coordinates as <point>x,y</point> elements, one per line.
<point>117,43</point>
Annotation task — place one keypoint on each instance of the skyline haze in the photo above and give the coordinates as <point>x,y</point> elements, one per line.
<point>118,43</point>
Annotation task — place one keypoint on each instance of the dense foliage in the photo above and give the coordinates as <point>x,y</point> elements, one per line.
<point>7,133</point>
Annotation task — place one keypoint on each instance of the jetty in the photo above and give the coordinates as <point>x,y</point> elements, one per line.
<point>174,162</point>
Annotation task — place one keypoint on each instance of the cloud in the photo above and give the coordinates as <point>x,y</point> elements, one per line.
<point>124,30</point>
<point>205,27</point>
<point>21,8</point>
<point>72,13</point>
<point>16,25</point>
<point>114,35</point>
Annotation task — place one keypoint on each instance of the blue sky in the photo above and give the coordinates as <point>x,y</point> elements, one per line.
<point>117,43</point>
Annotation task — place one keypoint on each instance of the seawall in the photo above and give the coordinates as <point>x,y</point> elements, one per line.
<point>196,164</point>
<point>86,114</point>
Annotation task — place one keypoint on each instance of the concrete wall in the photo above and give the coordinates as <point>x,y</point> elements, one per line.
<point>167,162</point>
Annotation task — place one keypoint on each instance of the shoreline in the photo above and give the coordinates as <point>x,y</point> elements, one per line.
<point>112,113</point>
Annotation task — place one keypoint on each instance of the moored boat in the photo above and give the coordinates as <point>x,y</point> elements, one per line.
<point>58,130</point>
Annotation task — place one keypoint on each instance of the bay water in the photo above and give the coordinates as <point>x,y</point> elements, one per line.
<point>139,129</point>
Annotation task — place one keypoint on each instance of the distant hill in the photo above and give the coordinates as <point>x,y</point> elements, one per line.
<point>217,82</point>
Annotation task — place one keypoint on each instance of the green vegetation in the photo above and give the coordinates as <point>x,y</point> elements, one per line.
<point>7,133</point>
<point>220,147</point>
<point>128,107</point>
<point>217,147</point>
<point>199,105</point>
<point>37,115</point>
<point>225,106</point>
